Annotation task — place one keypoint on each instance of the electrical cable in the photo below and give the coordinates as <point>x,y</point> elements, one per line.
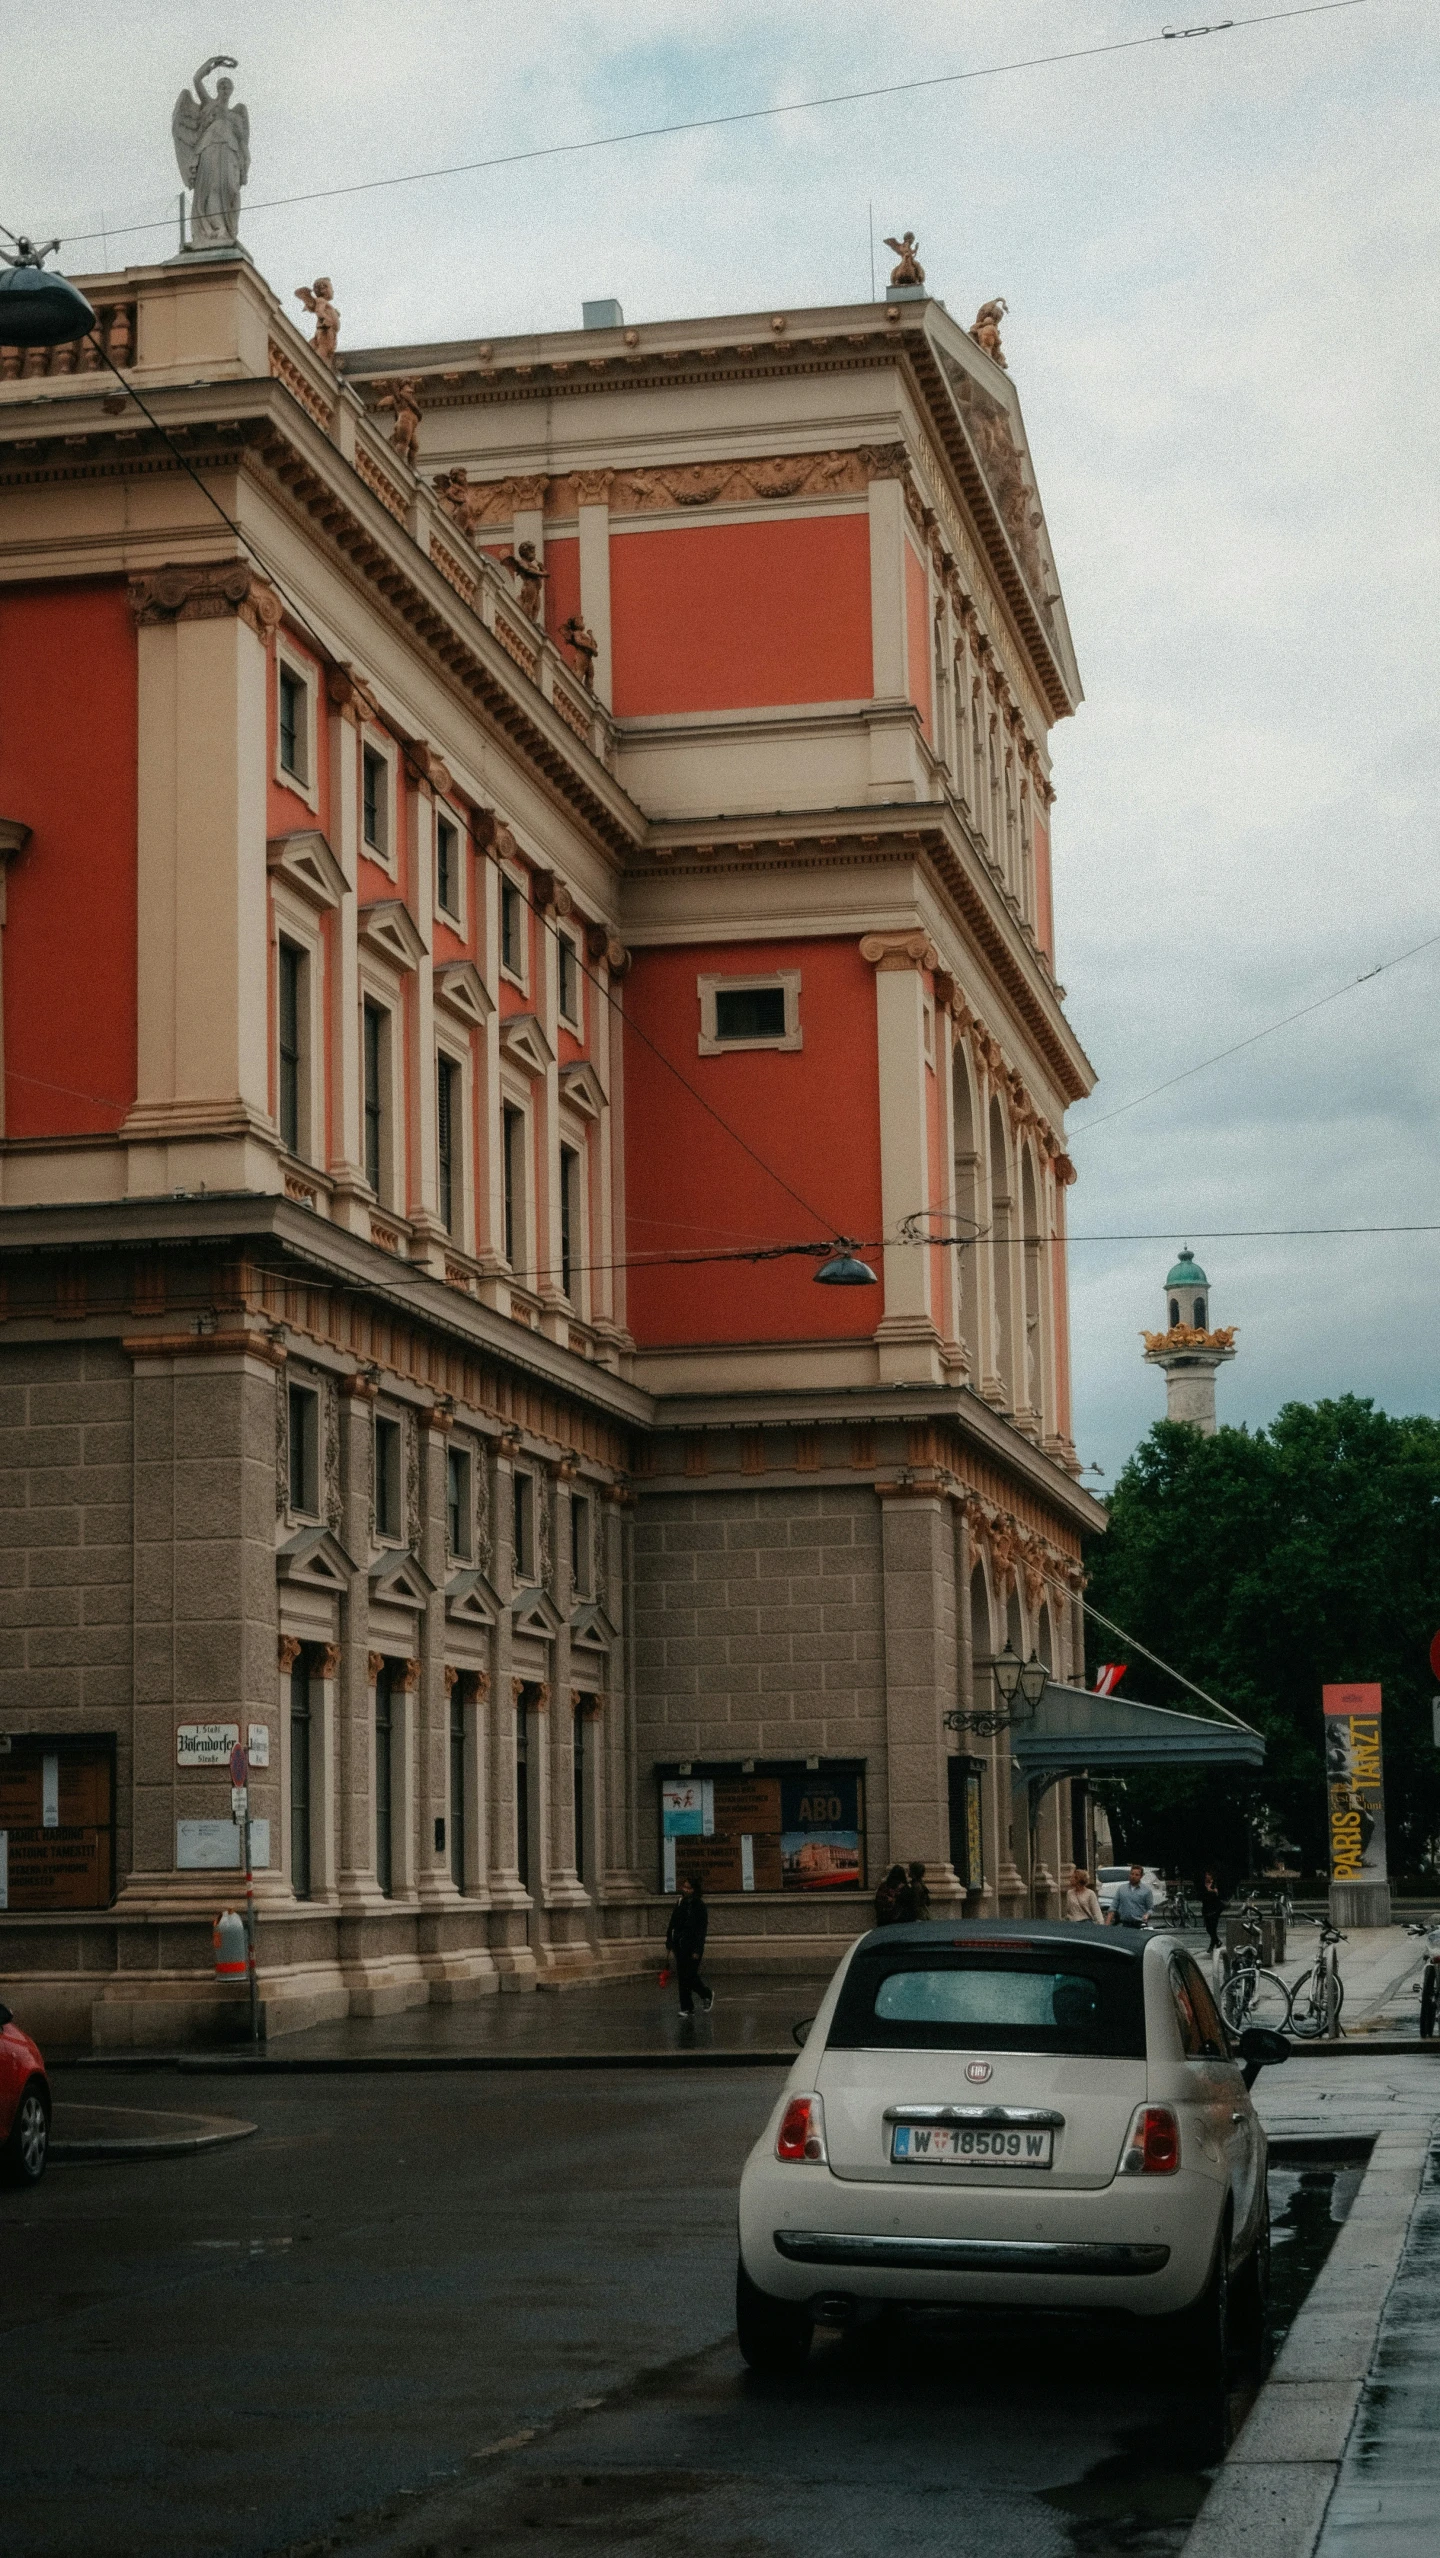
<point>1112,1628</point>
<point>1074,1135</point>
<point>745,115</point>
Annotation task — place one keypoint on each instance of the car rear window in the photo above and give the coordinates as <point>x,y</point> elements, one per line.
<point>1041,1999</point>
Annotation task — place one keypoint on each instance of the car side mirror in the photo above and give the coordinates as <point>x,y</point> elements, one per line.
<point>801,2029</point>
<point>1261,2047</point>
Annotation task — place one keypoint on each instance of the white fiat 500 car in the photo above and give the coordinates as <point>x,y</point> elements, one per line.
<point>1023,2114</point>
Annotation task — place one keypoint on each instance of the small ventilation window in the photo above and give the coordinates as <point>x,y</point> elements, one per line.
<point>750,1012</point>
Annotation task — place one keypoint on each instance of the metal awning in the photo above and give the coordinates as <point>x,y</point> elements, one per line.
<point>1073,1729</point>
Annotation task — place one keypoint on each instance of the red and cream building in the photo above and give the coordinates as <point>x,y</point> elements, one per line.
<point>418,969</point>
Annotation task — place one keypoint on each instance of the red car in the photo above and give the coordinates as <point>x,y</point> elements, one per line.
<point>24,2105</point>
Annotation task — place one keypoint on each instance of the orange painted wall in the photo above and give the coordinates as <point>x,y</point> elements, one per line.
<point>68,702</point>
<point>813,1115</point>
<point>714,617</point>
<point>1044,893</point>
<point>917,627</point>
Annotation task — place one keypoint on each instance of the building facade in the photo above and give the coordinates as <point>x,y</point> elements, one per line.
<point>484,914</point>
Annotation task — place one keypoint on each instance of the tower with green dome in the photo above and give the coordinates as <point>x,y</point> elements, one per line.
<point>1189,1349</point>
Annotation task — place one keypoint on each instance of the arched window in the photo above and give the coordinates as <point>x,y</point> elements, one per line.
<point>1200,1314</point>
<point>1174,1310</point>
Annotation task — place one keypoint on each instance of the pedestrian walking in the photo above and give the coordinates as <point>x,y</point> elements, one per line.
<point>1081,1902</point>
<point>685,1940</point>
<point>915,1898</point>
<point>1212,1902</point>
<point>1133,1901</point>
<point>887,1897</point>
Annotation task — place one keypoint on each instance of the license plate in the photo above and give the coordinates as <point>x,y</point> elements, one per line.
<point>967,2145</point>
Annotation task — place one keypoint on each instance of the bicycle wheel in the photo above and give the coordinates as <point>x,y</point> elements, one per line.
<point>1333,2001</point>
<point>1237,1999</point>
<point>1271,2005</point>
<point>1307,2005</point>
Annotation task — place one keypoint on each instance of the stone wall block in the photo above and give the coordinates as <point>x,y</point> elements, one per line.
<point>207,1582</point>
<point>48,1447</point>
<point>207,1498</point>
<point>72,1647</point>
<point>208,1420</point>
<point>58,1530</point>
<point>22,1607</point>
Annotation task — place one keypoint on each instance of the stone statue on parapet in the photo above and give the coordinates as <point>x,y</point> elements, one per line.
<point>212,148</point>
<point>579,637</point>
<point>316,298</point>
<point>986,330</point>
<point>909,270</point>
<point>403,398</point>
<point>525,567</point>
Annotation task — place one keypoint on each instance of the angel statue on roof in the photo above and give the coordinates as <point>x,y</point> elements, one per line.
<point>212,146</point>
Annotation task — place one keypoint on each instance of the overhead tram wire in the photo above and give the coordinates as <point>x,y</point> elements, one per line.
<point>748,115</point>
<point>1074,1135</point>
<point>324,649</point>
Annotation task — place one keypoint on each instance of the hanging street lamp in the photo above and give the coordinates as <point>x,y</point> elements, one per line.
<point>37,309</point>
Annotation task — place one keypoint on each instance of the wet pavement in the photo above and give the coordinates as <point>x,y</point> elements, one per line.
<point>1386,2502</point>
<point>456,2313</point>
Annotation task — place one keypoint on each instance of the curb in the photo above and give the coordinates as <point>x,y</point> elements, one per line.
<point>377,2064</point>
<point>1270,2498</point>
<point>109,2148</point>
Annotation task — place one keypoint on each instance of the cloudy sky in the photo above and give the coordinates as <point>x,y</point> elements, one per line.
<point>1219,254</point>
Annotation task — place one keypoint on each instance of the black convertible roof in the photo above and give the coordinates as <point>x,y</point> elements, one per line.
<point>933,1936</point>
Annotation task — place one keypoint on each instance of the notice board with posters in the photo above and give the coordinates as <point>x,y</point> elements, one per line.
<point>1354,1784</point>
<point>774,1826</point>
<point>57,1823</point>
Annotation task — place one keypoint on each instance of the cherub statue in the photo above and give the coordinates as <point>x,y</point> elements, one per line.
<point>909,270</point>
<point>524,564</point>
<point>986,331</point>
<point>579,637</point>
<point>402,398</point>
<point>316,298</point>
<point>212,147</point>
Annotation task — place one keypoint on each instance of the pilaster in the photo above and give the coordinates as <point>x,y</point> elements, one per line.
<point>907,1340</point>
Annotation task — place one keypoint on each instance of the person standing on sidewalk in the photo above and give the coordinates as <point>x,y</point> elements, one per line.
<point>1133,1901</point>
<point>1212,1902</point>
<point>888,1910</point>
<point>914,1902</point>
<point>1081,1903</point>
<point>685,1940</point>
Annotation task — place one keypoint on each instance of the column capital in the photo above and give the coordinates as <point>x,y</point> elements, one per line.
<point>288,1651</point>
<point>887,951</point>
<point>206,591</point>
<point>330,1660</point>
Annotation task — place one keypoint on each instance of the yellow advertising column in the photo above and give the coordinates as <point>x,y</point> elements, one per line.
<point>1355,1796</point>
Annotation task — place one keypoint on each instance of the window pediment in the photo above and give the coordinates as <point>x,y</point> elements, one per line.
<point>315,1560</point>
<point>461,989</point>
<point>582,1088</point>
<point>589,1624</point>
<point>401,1580</point>
<point>388,928</point>
<point>532,1613</point>
<point>470,1599</point>
<point>524,1042</point>
<point>305,860</point>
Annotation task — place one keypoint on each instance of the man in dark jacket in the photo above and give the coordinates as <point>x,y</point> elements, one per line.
<point>685,1942</point>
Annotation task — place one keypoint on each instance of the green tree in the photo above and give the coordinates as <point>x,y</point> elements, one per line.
<point>1265,1565</point>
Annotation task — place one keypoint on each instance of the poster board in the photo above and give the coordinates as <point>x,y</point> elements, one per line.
<point>776,1827</point>
<point>1354,1784</point>
<point>57,1817</point>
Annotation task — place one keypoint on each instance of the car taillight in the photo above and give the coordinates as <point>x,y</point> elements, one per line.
<point>1153,2148</point>
<point>801,2137</point>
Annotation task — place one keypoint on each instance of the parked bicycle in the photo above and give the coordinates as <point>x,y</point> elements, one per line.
<point>1252,1994</point>
<point>1175,1910</point>
<point>1317,1998</point>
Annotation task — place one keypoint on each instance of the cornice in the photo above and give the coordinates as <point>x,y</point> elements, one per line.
<point>904,831</point>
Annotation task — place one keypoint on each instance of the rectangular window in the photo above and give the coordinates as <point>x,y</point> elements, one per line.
<point>513,1168</point>
<point>457,1787</point>
<point>300,1777</point>
<point>750,1012</point>
<point>569,1216</point>
<point>581,1718</point>
<point>374,1062</point>
<point>375,801</point>
<point>579,1545</point>
<point>457,1502</point>
<point>447,868</point>
<point>292,1043</point>
<point>388,1454</point>
<point>447,1123</point>
<point>293,725</point>
<point>512,929</point>
<point>304,1412</point>
<point>523,1534</point>
<point>570,980</point>
<point>384,1776</point>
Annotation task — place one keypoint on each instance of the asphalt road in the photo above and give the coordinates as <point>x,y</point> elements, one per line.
<point>486,2314</point>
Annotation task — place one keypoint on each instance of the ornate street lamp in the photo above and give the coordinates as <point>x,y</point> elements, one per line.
<point>1020,1685</point>
<point>37,309</point>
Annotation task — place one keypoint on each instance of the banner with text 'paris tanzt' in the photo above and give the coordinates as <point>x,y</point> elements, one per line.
<point>1354,1784</point>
